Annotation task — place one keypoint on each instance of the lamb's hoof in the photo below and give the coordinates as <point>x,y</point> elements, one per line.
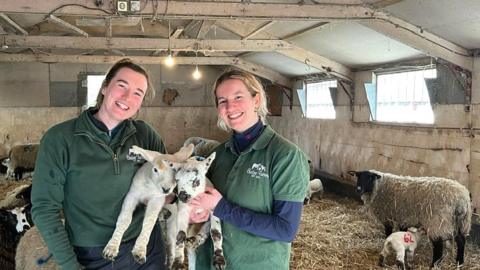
<point>110,252</point>
<point>219,260</point>
<point>139,254</point>
<point>400,265</point>
<point>177,265</point>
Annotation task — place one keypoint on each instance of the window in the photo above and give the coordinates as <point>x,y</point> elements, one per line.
<point>403,97</point>
<point>319,100</point>
<point>94,82</point>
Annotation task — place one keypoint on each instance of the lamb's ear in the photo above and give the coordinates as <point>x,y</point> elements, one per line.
<point>185,152</point>
<point>352,173</point>
<point>208,161</point>
<point>148,155</point>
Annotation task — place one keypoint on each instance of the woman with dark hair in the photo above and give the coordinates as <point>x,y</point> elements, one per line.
<point>82,172</point>
<point>261,180</point>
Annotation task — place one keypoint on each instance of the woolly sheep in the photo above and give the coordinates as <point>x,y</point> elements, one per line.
<point>32,253</point>
<point>314,186</point>
<point>403,244</point>
<point>441,206</point>
<point>17,197</point>
<point>150,185</point>
<point>203,147</point>
<point>21,159</point>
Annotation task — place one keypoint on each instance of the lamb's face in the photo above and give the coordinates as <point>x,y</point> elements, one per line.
<point>162,176</point>
<point>190,176</point>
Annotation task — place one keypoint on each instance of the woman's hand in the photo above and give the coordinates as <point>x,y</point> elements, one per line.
<point>203,204</point>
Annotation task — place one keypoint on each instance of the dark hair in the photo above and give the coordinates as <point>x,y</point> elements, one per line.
<point>126,63</point>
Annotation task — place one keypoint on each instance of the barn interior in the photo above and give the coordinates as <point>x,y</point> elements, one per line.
<point>391,85</point>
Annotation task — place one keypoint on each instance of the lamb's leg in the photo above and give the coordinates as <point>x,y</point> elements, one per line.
<point>217,237</point>
<point>171,230</point>
<point>409,259</point>
<point>437,252</point>
<point>182,225</point>
<point>199,238</point>
<point>139,250</point>
<point>460,240</point>
<point>383,255</point>
<point>124,219</point>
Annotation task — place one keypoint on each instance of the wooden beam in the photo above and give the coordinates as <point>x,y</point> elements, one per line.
<point>304,31</point>
<point>178,31</point>
<point>101,43</point>
<point>101,59</point>
<point>204,28</point>
<point>259,29</point>
<point>199,10</point>
<point>67,25</point>
<point>420,39</point>
<point>262,72</point>
<point>319,62</point>
<point>13,24</point>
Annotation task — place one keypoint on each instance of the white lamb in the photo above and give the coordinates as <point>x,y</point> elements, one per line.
<point>150,185</point>
<point>403,244</point>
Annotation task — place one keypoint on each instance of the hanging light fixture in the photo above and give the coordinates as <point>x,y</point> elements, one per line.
<point>169,61</point>
<point>196,73</point>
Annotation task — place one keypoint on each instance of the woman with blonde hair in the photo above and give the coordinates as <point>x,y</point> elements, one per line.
<point>260,181</point>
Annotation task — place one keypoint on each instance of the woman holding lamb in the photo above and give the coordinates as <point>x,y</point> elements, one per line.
<point>261,180</point>
<point>82,171</point>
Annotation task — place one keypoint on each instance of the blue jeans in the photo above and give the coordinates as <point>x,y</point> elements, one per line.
<point>91,257</point>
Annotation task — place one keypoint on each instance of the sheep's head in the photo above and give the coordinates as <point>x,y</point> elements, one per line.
<point>190,176</point>
<point>365,181</point>
<point>161,174</point>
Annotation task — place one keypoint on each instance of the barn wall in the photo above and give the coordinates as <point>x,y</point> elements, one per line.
<point>35,96</point>
<point>449,149</point>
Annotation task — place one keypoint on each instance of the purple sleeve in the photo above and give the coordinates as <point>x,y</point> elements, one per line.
<point>281,225</point>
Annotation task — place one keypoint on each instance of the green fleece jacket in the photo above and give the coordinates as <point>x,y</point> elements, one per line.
<point>83,172</point>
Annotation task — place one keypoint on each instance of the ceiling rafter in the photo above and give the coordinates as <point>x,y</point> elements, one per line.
<point>204,28</point>
<point>67,25</point>
<point>98,59</point>
<point>380,21</point>
<point>61,42</point>
<point>13,23</point>
<point>259,29</point>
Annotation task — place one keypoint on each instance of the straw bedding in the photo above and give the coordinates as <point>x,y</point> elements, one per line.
<point>337,233</point>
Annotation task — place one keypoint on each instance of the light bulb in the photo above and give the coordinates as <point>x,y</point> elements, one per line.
<point>196,73</point>
<point>169,61</point>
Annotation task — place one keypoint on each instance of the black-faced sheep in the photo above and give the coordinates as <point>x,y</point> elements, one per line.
<point>441,206</point>
<point>21,159</point>
<point>150,185</point>
<point>203,147</point>
<point>14,223</point>
<point>17,197</point>
<point>403,244</point>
